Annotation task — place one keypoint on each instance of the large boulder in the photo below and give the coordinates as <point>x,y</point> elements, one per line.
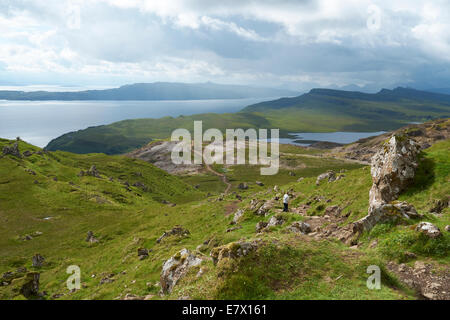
<point>176,267</point>
<point>392,169</point>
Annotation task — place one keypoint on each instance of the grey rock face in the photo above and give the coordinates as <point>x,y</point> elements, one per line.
<point>176,267</point>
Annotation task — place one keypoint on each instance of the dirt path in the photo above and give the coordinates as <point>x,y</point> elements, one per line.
<point>221,175</point>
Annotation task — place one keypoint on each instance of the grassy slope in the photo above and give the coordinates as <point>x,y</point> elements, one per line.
<point>288,267</point>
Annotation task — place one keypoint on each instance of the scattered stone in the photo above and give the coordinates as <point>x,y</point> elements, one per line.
<point>177,230</point>
<point>176,267</point>
<point>264,209</point>
<point>27,153</point>
<point>329,175</point>
<point>93,172</point>
<point>237,216</point>
<point>292,174</point>
<point>333,211</point>
<point>143,253</point>
<point>373,244</point>
<point>30,171</point>
<point>300,179</point>
<point>428,229</point>
<point>107,279</point>
<point>91,238</point>
<point>243,186</point>
<point>261,226</point>
<point>447,228</point>
<point>259,183</point>
<point>300,227</point>
<point>141,186</point>
<point>37,260</point>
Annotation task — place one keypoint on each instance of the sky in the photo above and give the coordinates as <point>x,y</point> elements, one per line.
<point>294,44</point>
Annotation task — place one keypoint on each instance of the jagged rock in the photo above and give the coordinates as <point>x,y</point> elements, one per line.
<point>392,169</point>
<point>242,186</point>
<point>30,286</point>
<point>429,229</point>
<point>261,226</point>
<point>275,221</point>
<point>301,227</point>
<point>91,238</point>
<point>27,153</point>
<point>14,150</point>
<point>237,216</point>
<point>259,183</point>
<point>329,175</point>
<point>37,260</point>
<point>234,250</point>
<point>177,230</point>
<point>176,267</point>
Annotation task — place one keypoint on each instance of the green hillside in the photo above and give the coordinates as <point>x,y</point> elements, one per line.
<point>58,214</point>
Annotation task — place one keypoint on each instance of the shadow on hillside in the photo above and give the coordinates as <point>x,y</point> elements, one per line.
<point>424,177</point>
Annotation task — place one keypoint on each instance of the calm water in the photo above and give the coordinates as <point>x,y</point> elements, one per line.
<point>338,137</point>
<point>38,122</point>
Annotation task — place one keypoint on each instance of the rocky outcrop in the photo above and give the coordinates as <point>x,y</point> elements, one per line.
<point>13,150</point>
<point>92,172</point>
<point>234,250</point>
<point>330,176</point>
<point>176,267</point>
<point>429,229</point>
<point>430,282</point>
<point>392,169</point>
<point>260,226</point>
<point>177,230</point>
<point>30,286</point>
<point>275,221</point>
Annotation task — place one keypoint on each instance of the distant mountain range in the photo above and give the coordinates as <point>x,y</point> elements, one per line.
<point>154,91</point>
<point>320,110</point>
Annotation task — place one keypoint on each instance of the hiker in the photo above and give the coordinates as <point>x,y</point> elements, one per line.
<point>285,202</point>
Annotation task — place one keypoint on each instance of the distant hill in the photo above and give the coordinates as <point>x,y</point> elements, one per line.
<point>320,110</point>
<point>154,91</point>
<point>440,90</point>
